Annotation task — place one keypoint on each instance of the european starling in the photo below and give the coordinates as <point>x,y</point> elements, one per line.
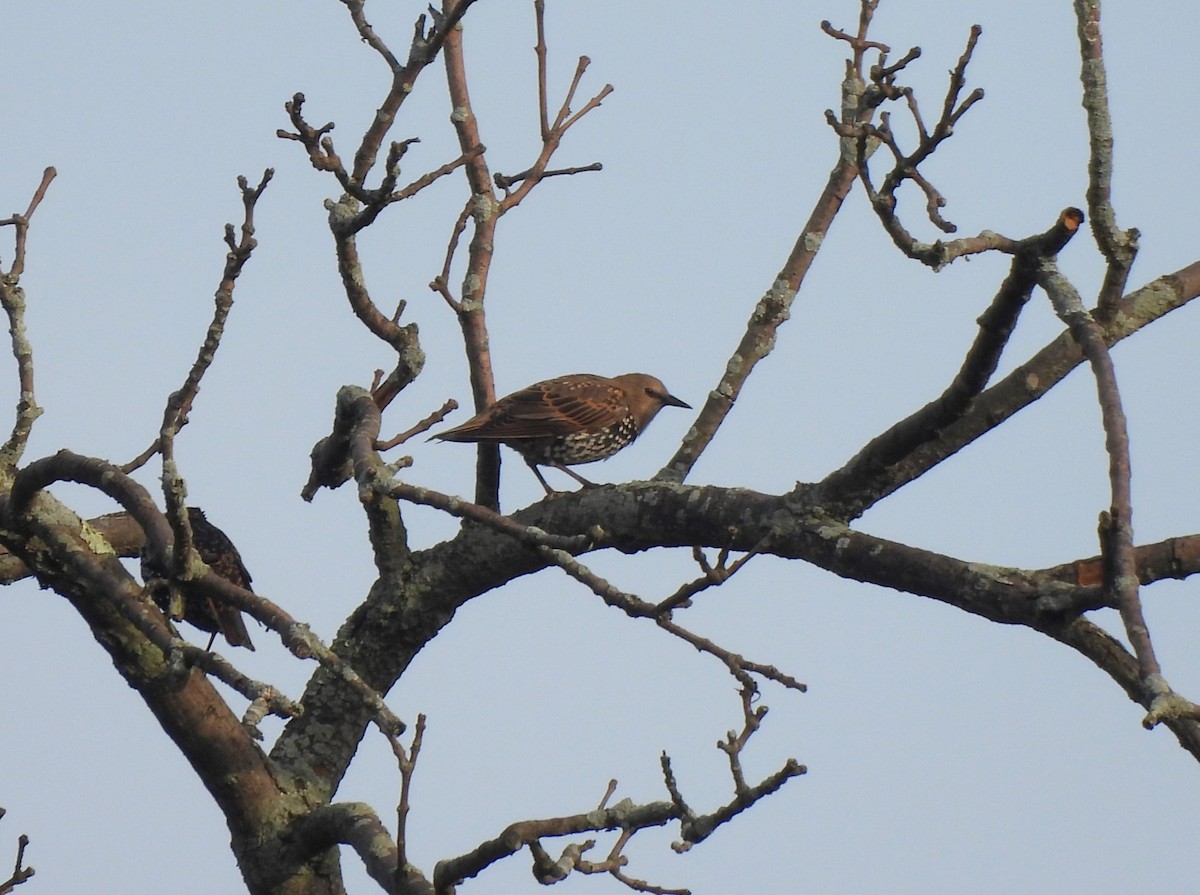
<point>573,419</point>
<point>203,611</point>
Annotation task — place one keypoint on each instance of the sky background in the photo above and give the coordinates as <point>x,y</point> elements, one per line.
<point>945,754</point>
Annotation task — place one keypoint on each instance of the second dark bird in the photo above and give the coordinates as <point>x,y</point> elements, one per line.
<point>579,418</point>
<point>201,610</point>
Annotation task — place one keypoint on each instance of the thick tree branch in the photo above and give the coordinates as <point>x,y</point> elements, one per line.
<point>355,824</point>
<point>1107,653</point>
<point>873,463</point>
<point>68,558</point>
<point>862,482</point>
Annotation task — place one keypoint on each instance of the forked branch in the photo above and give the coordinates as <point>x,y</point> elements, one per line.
<point>20,873</point>
<point>625,816</point>
<point>870,474</point>
<point>906,166</point>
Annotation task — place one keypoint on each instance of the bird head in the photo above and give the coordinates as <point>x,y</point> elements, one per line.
<point>647,396</point>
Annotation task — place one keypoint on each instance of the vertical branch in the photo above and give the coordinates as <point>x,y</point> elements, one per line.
<point>485,209</point>
<point>1119,247</point>
<point>485,212</point>
<point>407,761</point>
<point>1117,526</point>
<point>539,9</point>
<point>12,297</point>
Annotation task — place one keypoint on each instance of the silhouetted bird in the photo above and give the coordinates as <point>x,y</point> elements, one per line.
<point>203,611</point>
<point>572,419</point>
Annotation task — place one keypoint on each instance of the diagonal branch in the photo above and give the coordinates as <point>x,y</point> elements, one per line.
<point>1023,386</point>
<point>179,403</point>
<point>864,478</point>
<point>426,44</point>
<point>1110,656</point>
<point>67,557</point>
<point>772,310</point>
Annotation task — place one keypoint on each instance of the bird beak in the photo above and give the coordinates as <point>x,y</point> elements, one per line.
<point>673,401</point>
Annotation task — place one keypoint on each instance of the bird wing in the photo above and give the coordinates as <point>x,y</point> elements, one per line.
<point>222,557</point>
<point>571,405</point>
<point>217,550</point>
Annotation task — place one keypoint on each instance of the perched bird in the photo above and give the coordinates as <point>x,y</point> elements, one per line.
<point>203,611</point>
<point>572,419</point>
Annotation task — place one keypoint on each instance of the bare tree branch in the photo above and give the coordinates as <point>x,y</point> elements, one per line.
<point>623,816</point>
<point>772,310</point>
<point>1117,525</point>
<point>1119,247</point>
<point>423,50</point>
<point>20,873</point>
<point>407,761</point>
<point>874,463</point>
<point>279,807</point>
<point>12,298</point>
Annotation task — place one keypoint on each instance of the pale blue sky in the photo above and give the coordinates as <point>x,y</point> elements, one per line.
<point>945,754</point>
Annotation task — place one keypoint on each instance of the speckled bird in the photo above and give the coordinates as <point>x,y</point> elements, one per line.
<point>579,418</point>
<point>199,610</point>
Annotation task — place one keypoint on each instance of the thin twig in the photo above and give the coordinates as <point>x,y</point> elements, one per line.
<point>713,575</point>
<point>424,49</point>
<point>407,761</point>
<point>423,426</point>
<point>866,477</point>
<point>505,181</point>
<point>471,310</point>
<point>539,48</point>
<point>906,167</point>
<point>20,873</point>
<point>464,509</point>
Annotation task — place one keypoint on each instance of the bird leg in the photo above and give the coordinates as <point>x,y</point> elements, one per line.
<point>551,492</point>
<point>576,476</point>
